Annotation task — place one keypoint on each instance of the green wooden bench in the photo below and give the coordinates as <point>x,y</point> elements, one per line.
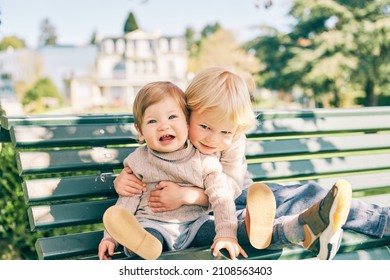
<point>68,164</point>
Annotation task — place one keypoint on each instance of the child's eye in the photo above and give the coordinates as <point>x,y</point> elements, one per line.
<point>226,132</point>
<point>172,117</point>
<point>151,121</point>
<point>204,126</point>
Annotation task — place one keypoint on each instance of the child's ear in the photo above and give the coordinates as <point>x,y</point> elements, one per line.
<point>141,137</point>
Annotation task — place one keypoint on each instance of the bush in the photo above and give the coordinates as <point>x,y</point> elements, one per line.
<point>16,239</point>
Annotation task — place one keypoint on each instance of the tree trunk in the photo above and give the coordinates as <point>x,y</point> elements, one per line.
<point>336,100</point>
<point>371,99</point>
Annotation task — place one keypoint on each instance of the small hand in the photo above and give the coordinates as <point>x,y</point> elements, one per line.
<point>230,244</point>
<point>127,184</point>
<point>167,197</point>
<point>106,249</point>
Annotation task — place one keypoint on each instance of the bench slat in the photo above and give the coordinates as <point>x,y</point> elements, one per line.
<point>4,136</point>
<point>80,135</point>
<point>65,119</point>
<point>292,126</point>
<point>359,182</point>
<point>319,166</point>
<point>74,187</point>
<point>330,144</point>
<point>71,160</point>
<point>62,215</point>
<point>68,246</point>
<point>382,200</point>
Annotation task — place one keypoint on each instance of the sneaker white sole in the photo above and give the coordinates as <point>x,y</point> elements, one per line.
<point>329,247</point>
<point>260,216</point>
<point>125,229</point>
<point>330,238</point>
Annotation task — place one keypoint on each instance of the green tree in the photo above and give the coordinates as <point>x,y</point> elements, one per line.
<point>48,35</point>
<point>337,49</point>
<point>221,48</point>
<point>130,24</point>
<point>12,41</point>
<point>14,242</point>
<point>41,96</point>
<point>192,43</point>
<point>93,40</point>
<point>210,29</point>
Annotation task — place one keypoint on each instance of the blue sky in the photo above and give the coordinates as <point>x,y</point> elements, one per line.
<point>75,20</point>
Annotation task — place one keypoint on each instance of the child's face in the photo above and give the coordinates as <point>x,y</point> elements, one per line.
<point>164,127</point>
<point>208,136</point>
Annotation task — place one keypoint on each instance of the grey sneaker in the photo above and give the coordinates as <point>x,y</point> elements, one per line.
<point>322,221</point>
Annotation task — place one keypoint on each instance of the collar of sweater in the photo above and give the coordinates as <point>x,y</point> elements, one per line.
<point>186,152</point>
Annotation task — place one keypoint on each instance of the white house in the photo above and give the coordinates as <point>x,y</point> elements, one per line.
<point>125,64</point>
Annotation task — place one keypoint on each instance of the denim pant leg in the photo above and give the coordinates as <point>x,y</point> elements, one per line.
<point>292,199</point>
<point>367,218</point>
<point>205,235</point>
<point>156,234</point>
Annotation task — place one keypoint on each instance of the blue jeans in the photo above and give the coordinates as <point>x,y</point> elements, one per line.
<point>363,217</point>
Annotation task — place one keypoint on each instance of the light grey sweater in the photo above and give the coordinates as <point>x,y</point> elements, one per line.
<point>234,177</point>
<point>187,167</point>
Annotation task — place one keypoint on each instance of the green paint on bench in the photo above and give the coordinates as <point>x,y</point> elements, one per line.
<point>68,164</point>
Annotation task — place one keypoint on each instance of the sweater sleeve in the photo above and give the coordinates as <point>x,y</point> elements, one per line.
<point>221,198</point>
<point>234,164</point>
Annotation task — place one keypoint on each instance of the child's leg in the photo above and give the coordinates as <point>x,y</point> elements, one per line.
<point>241,200</point>
<point>368,218</point>
<point>206,233</point>
<point>126,230</point>
<point>254,224</point>
<point>318,228</point>
<point>363,217</point>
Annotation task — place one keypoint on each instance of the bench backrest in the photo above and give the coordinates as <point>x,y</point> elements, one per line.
<point>68,163</point>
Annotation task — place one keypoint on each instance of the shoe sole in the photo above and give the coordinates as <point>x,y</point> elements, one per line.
<point>260,215</point>
<point>125,229</point>
<point>330,238</point>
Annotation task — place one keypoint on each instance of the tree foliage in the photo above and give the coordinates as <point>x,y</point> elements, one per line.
<point>130,24</point>
<point>221,48</point>
<point>41,95</point>
<point>12,41</point>
<point>48,35</point>
<point>17,241</point>
<point>338,49</point>
<point>14,242</point>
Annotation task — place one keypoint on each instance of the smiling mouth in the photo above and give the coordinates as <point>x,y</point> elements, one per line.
<point>207,147</point>
<point>166,138</point>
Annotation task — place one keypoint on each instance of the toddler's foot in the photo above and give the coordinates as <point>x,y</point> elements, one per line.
<point>125,229</point>
<point>260,215</point>
<point>322,222</point>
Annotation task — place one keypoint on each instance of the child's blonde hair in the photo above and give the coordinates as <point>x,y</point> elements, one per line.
<point>154,92</point>
<point>224,93</point>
